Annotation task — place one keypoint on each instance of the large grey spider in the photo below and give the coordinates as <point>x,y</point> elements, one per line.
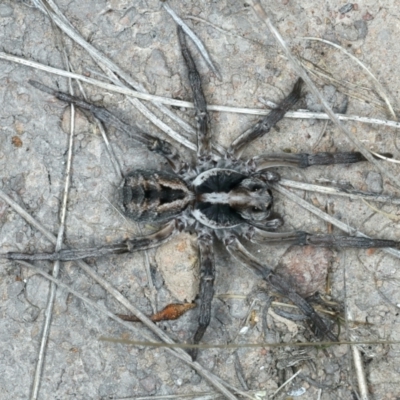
<point>220,198</point>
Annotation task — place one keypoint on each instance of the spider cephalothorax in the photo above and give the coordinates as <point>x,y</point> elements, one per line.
<point>226,198</point>
<point>220,198</point>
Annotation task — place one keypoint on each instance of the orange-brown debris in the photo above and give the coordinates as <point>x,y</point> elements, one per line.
<point>170,312</point>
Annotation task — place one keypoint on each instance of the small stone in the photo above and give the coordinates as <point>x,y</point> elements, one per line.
<point>374,182</point>
<point>20,310</point>
<point>367,16</point>
<point>37,290</point>
<point>347,32</point>
<point>97,292</point>
<point>148,384</point>
<point>337,100</point>
<point>6,11</point>
<point>307,268</point>
<point>362,28</point>
<point>346,8</point>
<point>81,123</point>
<point>178,263</point>
<point>144,40</point>
<point>15,288</point>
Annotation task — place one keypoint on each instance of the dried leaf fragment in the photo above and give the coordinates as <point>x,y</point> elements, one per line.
<point>16,141</point>
<point>170,312</point>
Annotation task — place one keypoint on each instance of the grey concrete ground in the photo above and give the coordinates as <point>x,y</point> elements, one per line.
<point>141,38</point>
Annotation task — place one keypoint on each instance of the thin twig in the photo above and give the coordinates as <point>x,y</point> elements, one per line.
<point>190,396</point>
<point>285,383</point>
<point>360,373</point>
<point>301,114</point>
<point>60,238</point>
<point>326,217</point>
<point>346,314</point>
<point>62,22</point>
<point>85,299</point>
<point>306,114</point>
<point>239,372</point>
<point>385,158</point>
<point>393,217</point>
<point>226,32</point>
<point>109,148</point>
<point>95,82</point>
<point>243,345</point>
<point>203,51</point>
<point>378,85</point>
<point>315,145</point>
<point>337,191</point>
<point>345,87</point>
<point>181,354</point>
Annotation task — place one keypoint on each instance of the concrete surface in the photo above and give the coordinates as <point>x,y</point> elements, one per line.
<point>141,38</point>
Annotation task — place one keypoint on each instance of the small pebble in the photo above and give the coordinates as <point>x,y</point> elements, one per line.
<point>346,8</point>
<point>6,11</point>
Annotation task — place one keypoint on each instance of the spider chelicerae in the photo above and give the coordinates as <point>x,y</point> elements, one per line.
<point>221,198</point>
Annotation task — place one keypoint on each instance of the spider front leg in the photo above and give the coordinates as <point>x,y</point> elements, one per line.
<point>304,160</point>
<point>128,246</point>
<point>269,121</point>
<point>206,293</point>
<point>300,238</point>
<point>200,105</point>
<point>151,142</point>
<point>301,160</point>
<point>238,251</point>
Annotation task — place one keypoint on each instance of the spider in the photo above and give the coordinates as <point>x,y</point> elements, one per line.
<point>220,198</point>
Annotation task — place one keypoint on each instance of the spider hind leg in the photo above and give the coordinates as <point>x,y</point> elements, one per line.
<point>281,285</point>
<point>206,293</point>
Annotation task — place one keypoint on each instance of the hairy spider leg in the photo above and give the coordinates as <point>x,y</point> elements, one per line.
<point>265,124</point>
<point>153,143</point>
<point>301,238</point>
<point>300,160</point>
<point>238,251</point>
<point>304,160</point>
<point>206,292</point>
<point>128,246</point>
<point>298,238</point>
<point>200,105</point>
<point>205,238</point>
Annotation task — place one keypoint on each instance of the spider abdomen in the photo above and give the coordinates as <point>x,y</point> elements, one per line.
<point>149,195</point>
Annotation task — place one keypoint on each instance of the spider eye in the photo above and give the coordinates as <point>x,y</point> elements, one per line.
<point>256,209</point>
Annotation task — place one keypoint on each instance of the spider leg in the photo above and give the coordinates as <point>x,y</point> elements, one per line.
<point>200,105</point>
<point>301,238</point>
<point>238,251</point>
<point>207,276</point>
<point>151,142</point>
<point>128,246</point>
<point>349,241</point>
<point>264,125</point>
<point>304,160</point>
